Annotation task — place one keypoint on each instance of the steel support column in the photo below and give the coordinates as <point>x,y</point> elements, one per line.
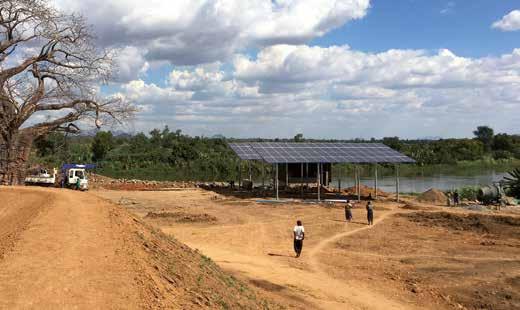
<point>397,182</point>
<point>276,183</point>
<point>375,181</point>
<point>239,174</point>
<point>319,181</point>
<point>250,171</point>
<point>339,179</point>
<point>358,184</point>
<point>286,176</point>
<point>263,175</point>
<point>301,179</point>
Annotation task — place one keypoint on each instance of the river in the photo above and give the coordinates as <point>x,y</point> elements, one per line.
<point>420,183</point>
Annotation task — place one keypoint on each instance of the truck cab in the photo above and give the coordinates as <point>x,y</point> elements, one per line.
<point>76,175</point>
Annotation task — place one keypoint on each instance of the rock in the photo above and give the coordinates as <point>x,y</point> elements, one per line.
<point>415,289</point>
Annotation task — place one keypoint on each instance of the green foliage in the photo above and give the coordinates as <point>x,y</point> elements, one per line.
<point>512,183</point>
<point>449,151</point>
<point>102,144</point>
<point>171,155</point>
<point>485,135</point>
<point>56,148</point>
<point>468,192</point>
<point>393,142</point>
<point>46,146</point>
<point>298,137</point>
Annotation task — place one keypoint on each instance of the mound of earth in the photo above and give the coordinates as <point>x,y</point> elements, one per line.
<point>365,191</point>
<point>507,226</point>
<point>83,252</point>
<point>182,278</point>
<point>99,181</point>
<point>182,217</point>
<point>433,196</point>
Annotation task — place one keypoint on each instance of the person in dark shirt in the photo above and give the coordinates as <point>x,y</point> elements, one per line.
<point>370,213</point>
<point>456,198</point>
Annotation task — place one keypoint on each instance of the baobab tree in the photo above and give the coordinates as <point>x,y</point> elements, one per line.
<point>50,74</point>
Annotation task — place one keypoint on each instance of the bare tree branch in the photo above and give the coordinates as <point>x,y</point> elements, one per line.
<point>50,67</point>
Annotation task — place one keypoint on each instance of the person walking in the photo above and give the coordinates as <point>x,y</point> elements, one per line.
<point>348,211</point>
<point>299,236</point>
<point>370,213</point>
<point>456,198</point>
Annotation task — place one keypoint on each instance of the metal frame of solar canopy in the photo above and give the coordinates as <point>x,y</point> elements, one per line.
<point>319,153</point>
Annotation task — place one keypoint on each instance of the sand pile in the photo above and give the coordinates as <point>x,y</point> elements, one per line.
<point>365,191</point>
<point>433,196</point>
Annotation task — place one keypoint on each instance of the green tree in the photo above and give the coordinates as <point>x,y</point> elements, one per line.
<point>102,144</point>
<point>393,142</point>
<point>485,134</point>
<point>503,142</point>
<point>298,137</point>
<point>50,144</point>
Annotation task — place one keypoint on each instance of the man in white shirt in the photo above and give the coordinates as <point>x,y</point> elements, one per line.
<point>299,235</point>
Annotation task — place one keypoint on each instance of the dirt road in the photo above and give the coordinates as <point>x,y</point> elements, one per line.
<point>254,241</point>
<point>415,257</point>
<point>68,254</point>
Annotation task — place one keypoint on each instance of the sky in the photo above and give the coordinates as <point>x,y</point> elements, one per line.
<point>337,69</point>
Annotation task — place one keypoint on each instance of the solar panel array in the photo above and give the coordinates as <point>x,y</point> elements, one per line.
<point>244,151</point>
<point>286,152</point>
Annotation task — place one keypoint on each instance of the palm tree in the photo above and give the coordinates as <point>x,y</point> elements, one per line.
<point>512,182</point>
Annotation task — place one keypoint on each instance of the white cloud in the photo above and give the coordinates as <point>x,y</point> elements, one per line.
<point>189,32</point>
<point>219,84</point>
<point>510,22</point>
<point>130,64</point>
<point>278,66</point>
<point>288,87</point>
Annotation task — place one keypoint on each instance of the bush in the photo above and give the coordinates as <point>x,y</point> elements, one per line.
<point>468,192</point>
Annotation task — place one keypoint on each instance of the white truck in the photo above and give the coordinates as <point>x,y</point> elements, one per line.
<point>75,176</point>
<point>42,178</point>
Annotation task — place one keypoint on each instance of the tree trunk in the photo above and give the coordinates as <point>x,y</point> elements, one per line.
<point>14,153</point>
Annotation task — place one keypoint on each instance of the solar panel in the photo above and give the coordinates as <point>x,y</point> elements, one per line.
<point>244,151</point>
<point>290,152</point>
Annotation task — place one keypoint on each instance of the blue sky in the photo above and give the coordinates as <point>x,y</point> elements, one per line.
<point>327,69</point>
<point>464,27</point>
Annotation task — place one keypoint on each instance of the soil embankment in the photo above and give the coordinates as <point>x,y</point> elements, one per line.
<point>72,250</point>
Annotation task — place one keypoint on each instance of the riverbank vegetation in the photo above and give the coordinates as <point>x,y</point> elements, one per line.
<point>172,155</point>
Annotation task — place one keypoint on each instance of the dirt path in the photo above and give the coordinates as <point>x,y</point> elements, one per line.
<point>254,242</point>
<point>69,256</point>
<point>324,243</point>
<point>357,298</point>
<point>305,278</point>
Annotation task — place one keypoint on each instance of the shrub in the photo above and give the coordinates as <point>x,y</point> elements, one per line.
<point>468,192</point>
